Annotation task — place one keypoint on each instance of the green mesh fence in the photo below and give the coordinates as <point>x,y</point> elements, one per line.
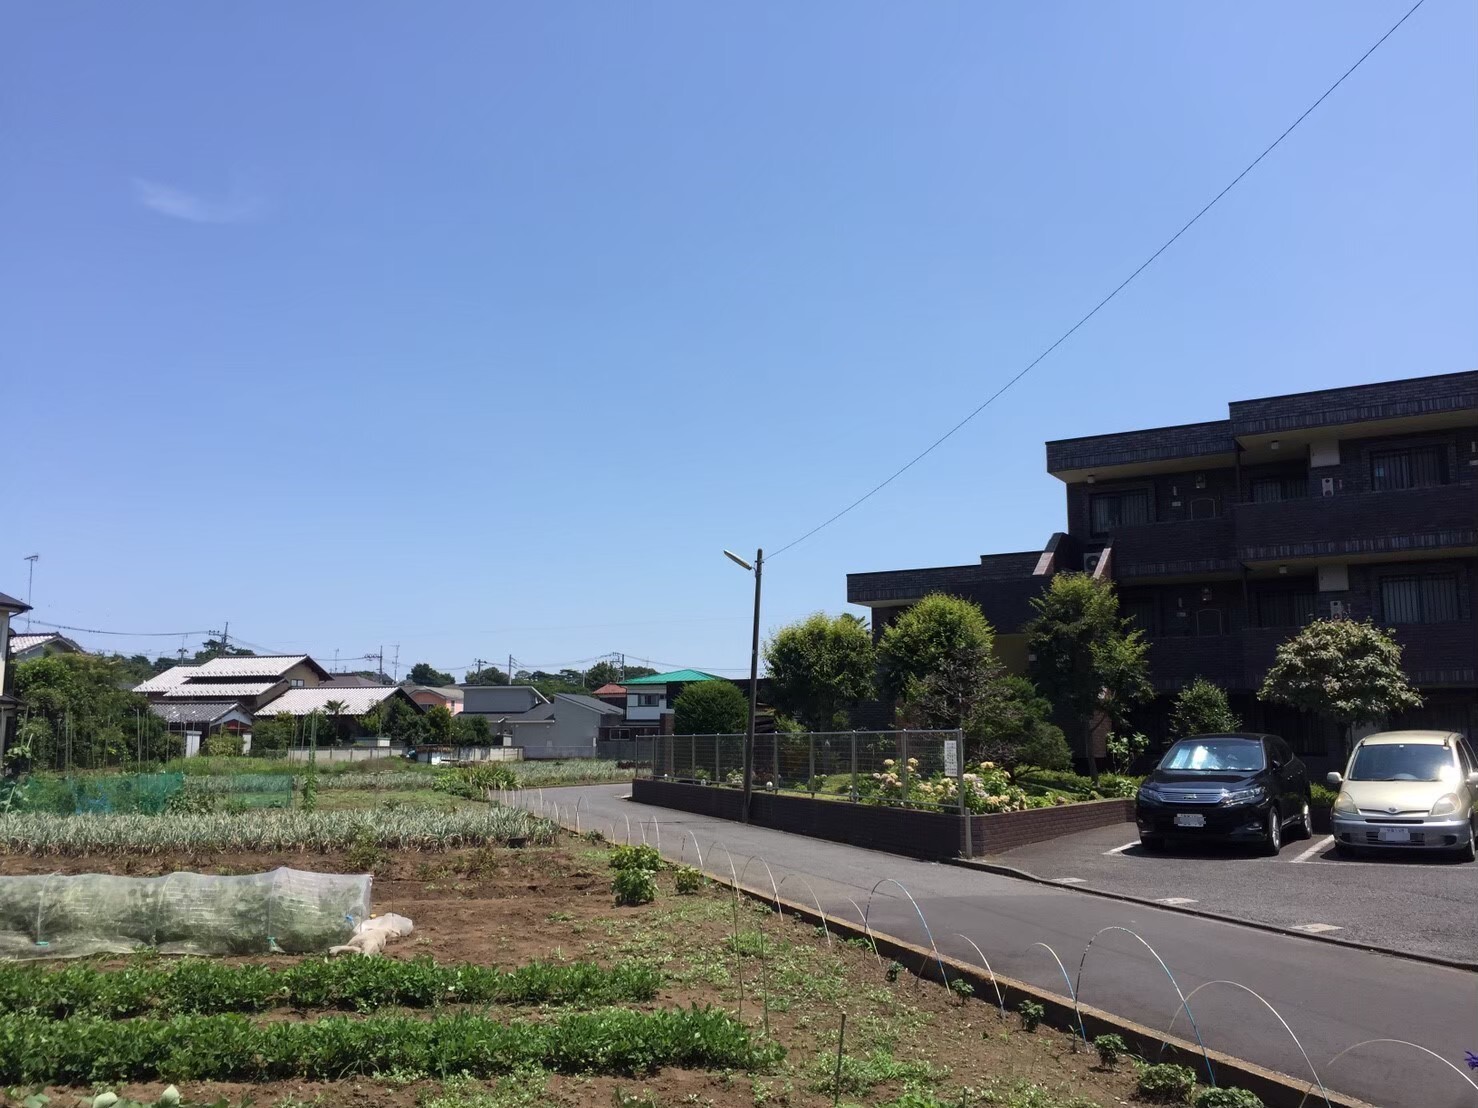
<point>143,793</point>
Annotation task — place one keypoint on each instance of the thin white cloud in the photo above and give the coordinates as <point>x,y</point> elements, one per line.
<point>176,203</point>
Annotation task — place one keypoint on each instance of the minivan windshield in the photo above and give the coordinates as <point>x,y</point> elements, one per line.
<point>1214,756</point>
<point>1403,762</point>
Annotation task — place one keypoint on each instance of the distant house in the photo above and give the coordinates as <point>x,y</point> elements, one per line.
<point>250,680</point>
<point>9,606</point>
<point>353,681</point>
<point>450,697</point>
<point>355,702</point>
<point>565,727</point>
<point>614,695</point>
<point>650,698</point>
<point>25,648</point>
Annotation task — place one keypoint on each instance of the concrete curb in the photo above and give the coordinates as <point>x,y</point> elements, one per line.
<point>1273,928</point>
<point>1277,1090</point>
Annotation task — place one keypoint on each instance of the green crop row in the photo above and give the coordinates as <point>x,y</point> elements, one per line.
<point>201,987</point>
<point>228,783</point>
<point>411,828</point>
<point>87,1050</point>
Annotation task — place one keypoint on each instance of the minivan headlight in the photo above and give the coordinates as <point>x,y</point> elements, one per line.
<point>1344,804</point>
<point>1150,793</point>
<point>1445,805</point>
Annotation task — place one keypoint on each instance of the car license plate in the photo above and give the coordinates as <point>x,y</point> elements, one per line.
<point>1395,835</point>
<point>1185,819</point>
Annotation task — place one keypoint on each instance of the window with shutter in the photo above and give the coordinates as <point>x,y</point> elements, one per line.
<point>1415,467</point>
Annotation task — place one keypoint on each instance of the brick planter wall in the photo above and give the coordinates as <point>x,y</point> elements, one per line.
<point>994,834</point>
<point>896,830</point>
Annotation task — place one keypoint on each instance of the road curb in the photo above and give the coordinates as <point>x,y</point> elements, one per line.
<point>1276,1089</point>
<point>1354,944</point>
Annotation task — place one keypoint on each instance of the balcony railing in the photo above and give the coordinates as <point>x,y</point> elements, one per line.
<point>1442,517</point>
<point>1179,548</point>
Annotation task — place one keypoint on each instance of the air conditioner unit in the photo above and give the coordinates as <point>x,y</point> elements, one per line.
<point>1336,609</point>
<point>1090,561</point>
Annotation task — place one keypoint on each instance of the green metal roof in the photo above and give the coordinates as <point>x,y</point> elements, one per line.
<point>677,676</point>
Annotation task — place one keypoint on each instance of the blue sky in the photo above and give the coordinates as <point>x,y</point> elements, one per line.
<point>483,328</point>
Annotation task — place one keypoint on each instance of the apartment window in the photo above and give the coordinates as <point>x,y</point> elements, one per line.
<point>1416,467</point>
<point>1110,510</point>
<point>1284,609</point>
<point>1428,599</point>
<point>1208,621</point>
<point>649,700</point>
<point>1203,507</point>
<point>1268,490</point>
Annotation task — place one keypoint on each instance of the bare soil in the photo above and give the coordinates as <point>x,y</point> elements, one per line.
<point>502,906</point>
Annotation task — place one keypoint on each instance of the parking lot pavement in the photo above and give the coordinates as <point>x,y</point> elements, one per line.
<point>1405,904</point>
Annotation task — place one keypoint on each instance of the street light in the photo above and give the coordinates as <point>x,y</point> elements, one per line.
<point>754,672</point>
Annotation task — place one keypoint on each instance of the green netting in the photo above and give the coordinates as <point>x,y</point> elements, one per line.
<point>144,793</point>
<point>288,911</point>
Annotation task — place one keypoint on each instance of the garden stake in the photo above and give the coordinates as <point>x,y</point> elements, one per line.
<point>836,1082</point>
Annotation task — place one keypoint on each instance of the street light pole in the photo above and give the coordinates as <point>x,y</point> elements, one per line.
<point>754,674</point>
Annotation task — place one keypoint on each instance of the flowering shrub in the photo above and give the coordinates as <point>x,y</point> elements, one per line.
<point>987,790</point>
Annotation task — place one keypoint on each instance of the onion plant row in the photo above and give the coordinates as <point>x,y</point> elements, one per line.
<point>272,782</point>
<point>88,1050</point>
<point>201,987</point>
<point>410,828</point>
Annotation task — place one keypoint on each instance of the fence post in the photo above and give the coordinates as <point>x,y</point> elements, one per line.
<point>959,741</point>
<point>775,760</point>
<point>811,781</point>
<point>854,767</point>
<point>903,750</point>
<point>693,757</point>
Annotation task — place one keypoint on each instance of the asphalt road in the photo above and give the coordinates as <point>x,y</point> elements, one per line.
<point>1332,997</point>
<point>1407,903</point>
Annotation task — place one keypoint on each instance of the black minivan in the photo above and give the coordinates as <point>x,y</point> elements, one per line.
<point>1230,788</point>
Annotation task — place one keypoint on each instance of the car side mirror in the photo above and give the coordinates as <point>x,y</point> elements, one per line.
<point>1276,763</point>
<point>1334,780</point>
<point>1473,780</point>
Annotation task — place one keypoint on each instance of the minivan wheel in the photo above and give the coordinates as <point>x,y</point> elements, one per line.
<point>1469,853</point>
<point>1303,827</point>
<point>1152,844</point>
<point>1274,842</point>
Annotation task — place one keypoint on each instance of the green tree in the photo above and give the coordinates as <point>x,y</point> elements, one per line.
<point>269,736</point>
<point>335,710</point>
<point>91,718</point>
<point>710,708</point>
<point>403,721</point>
<point>1201,708</point>
<point>820,667</point>
<point>439,725</point>
<point>1013,726</point>
<point>1084,657</point>
<point>424,673</point>
<point>938,658</point>
<point>472,730</point>
<point>1348,670</point>
<point>486,675</point>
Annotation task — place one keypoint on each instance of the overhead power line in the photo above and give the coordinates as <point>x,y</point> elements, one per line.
<point>124,634</point>
<point>1102,303</point>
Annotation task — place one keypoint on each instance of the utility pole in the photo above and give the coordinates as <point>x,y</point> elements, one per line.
<point>225,637</point>
<point>510,669</point>
<point>395,668</point>
<point>30,580</point>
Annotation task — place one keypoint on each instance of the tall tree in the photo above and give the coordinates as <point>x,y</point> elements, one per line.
<point>1084,657</point>
<point>81,714</point>
<point>710,708</point>
<point>335,710</point>
<point>439,721</point>
<point>1013,726</point>
<point>819,668</point>
<point>1348,670</point>
<point>938,659</point>
<point>424,673</point>
<point>487,675</point>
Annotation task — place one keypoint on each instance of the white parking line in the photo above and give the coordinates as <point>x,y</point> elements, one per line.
<point>1318,848</point>
<point>1071,880</point>
<point>1316,928</point>
<point>1120,849</point>
<point>1176,901</point>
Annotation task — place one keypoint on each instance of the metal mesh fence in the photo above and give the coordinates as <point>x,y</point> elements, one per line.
<point>880,767</point>
<point>144,793</point>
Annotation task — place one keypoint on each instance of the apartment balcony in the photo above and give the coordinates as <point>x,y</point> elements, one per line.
<point>1440,654</point>
<point>1442,518</point>
<point>1183,548</point>
<point>1176,660</point>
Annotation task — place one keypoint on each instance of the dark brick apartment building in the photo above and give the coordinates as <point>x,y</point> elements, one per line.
<point>1224,537</point>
